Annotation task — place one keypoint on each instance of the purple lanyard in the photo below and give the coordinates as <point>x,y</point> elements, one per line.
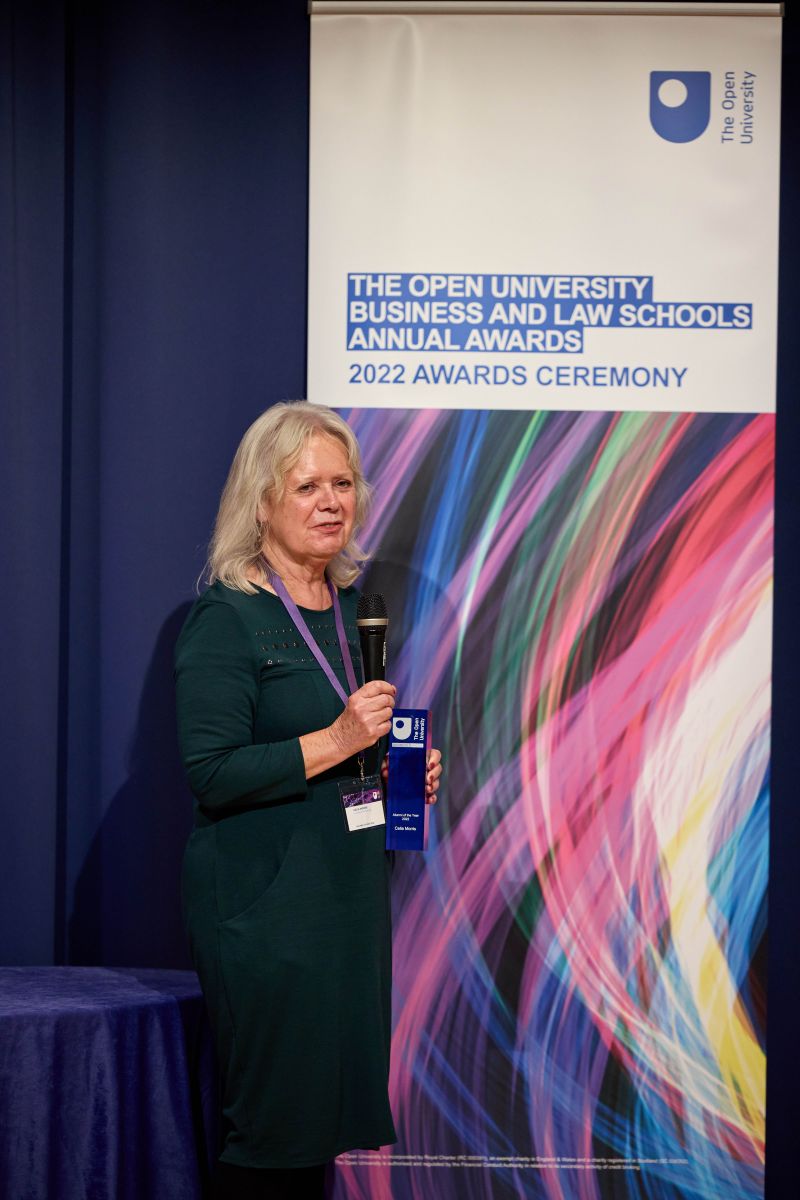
<point>310,640</point>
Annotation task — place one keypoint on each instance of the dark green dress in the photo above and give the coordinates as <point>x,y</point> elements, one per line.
<point>288,913</point>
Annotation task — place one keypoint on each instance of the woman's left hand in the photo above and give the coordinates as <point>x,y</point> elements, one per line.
<point>431,776</point>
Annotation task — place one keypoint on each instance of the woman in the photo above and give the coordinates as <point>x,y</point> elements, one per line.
<point>288,912</point>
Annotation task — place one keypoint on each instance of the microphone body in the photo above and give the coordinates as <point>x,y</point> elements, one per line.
<point>372,621</point>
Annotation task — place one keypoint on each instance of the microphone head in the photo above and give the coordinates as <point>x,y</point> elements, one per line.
<point>371,609</point>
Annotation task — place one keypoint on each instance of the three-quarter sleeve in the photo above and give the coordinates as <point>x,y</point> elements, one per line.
<point>217,685</point>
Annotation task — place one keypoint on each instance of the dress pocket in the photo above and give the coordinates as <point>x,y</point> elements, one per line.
<point>297,903</point>
<point>250,874</point>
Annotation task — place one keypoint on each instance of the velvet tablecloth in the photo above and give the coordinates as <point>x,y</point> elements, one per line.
<point>107,1088</point>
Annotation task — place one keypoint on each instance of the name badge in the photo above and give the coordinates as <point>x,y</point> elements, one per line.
<point>362,803</point>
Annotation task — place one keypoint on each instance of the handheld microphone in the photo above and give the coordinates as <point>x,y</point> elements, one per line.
<point>372,621</point>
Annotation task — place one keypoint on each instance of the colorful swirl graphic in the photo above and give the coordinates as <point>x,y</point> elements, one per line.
<point>584,601</point>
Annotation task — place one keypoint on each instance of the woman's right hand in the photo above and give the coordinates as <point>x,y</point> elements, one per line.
<point>367,718</point>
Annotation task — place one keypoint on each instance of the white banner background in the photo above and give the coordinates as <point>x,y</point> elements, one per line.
<point>523,145</point>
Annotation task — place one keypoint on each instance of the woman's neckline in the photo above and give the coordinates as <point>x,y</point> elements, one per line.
<point>302,607</point>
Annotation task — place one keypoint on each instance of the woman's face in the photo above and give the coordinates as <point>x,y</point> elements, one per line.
<point>313,519</point>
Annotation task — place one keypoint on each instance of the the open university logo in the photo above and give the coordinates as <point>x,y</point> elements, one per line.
<point>401,728</point>
<point>680,104</point>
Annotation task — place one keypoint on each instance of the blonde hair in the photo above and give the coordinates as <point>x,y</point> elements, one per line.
<point>267,452</point>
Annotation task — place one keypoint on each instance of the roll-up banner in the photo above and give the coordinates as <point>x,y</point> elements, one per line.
<point>543,279</point>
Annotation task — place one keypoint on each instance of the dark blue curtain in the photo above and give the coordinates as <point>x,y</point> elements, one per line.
<point>152,302</point>
<point>153,179</point>
<point>783,1019</point>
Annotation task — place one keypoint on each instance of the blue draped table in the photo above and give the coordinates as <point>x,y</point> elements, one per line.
<point>107,1084</point>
